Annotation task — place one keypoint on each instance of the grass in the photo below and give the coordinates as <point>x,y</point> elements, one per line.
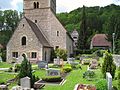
<point>5,76</point>
<point>74,77</point>
<point>5,65</point>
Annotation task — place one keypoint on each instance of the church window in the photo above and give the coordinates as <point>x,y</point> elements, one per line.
<point>57,33</point>
<point>35,5</point>
<point>56,47</point>
<point>15,54</point>
<point>23,25</point>
<point>23,40</point>
<point>34,55</point>
<point>35,21</point>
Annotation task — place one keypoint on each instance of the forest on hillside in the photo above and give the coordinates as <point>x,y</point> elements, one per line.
<point>90,20</point>
<point>96,20</point>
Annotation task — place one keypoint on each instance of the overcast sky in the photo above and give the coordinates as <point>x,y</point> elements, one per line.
<point>62,5</point>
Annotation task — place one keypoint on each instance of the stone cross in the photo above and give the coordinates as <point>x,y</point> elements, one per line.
<point>25,83</point>
<point>109,80</point>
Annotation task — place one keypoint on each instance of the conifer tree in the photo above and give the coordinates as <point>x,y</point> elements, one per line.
<point>108,65</point>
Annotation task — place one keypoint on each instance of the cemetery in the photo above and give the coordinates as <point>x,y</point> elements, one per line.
<point>69,75</point>
<point>42,49</point>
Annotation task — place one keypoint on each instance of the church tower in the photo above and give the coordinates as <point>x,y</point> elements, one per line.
<point>39,11</point>
<point>30,5</point>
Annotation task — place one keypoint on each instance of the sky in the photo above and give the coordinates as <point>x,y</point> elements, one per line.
<point>62,5</point>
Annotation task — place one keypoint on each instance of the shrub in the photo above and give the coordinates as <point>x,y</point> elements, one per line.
<point>52,78</point>
<point>108,65</point>
<point>88,74</point>
<point>101,85</point>
<point>2,82</point>
<point>17,67</point>
<point>119,78</point>
<point>67,69</point>
<point>61,53</point>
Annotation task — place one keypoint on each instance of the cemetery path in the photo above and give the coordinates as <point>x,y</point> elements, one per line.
<point>3,69</point>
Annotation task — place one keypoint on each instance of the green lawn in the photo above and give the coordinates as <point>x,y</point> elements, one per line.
<point>5,76</point>
<point>74,77</point>
<point>5,65</point>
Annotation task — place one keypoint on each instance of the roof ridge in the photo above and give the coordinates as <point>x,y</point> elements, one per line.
<point>38,33</point>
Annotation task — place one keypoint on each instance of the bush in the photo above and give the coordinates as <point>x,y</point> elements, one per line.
<point>17,67</point>
<point>101,85</point>
<point>108,65</point>
<point>67,69</point>
<point>52,78</point>
<point>88,74</point>
<point>61,53</point>
<point>118,78</point>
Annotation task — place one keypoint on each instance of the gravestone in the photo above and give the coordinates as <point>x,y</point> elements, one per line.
<point>0,59</point>
<point>58,61</point>
<point>25,83</point>
<point>42,64</point>
<point>53,72</point>
<point>70,60</point>
<point>109,81</point>
<point>3,87</point>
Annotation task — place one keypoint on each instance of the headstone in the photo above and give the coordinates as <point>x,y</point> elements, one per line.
<point>25,83</point>
<point>70,60</point>
<point>3,87</point>
<point>58,61</point>
<point>42,64</point>
<point>0,59</point>
<point>109,81</point>
<point>53,72</point>
<point>17,88</point>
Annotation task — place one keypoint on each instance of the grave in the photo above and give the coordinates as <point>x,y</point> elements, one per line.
<point>53,72</point>
<point>58,61</point>
<point>109,81</point>
<point>25,83</point>
<point>70,60</point>
<point>3,87</point>
<point>42,64</point>
<point>0,59</point>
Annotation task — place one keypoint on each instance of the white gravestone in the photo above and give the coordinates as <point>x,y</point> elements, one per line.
<point>58,61</point>
<point>25,83</point>
<point>0,59</point>
<point>70,60</point>
<point>109,81</point>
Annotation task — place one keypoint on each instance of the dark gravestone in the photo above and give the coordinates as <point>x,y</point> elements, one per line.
<point>53,72</point>
<point>42,64</point>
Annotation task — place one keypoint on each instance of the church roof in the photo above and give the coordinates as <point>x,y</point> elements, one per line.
<point>38,33</point>
<point>100,40</point>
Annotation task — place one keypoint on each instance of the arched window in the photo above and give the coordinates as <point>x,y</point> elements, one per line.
<point>23,40</point>
<point>37,4</point>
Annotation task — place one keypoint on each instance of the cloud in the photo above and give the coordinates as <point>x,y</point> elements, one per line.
<point>62,5</point>
<point>69,5</point>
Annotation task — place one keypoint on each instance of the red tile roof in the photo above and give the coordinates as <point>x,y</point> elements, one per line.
<point>100,40</point>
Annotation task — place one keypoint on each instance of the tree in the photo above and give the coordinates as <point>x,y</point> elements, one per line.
<point>61,53</point>
<point>26,70</point>
<point>108,65</point>
<point>119,78</point>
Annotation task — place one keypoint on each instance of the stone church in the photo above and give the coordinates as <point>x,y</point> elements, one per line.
<point>38,33</point>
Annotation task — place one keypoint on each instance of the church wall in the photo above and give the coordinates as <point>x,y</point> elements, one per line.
<point>32,43</point>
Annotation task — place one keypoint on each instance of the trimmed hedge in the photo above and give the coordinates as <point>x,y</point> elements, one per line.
<point>52,78</point>
<point>67,69</point>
